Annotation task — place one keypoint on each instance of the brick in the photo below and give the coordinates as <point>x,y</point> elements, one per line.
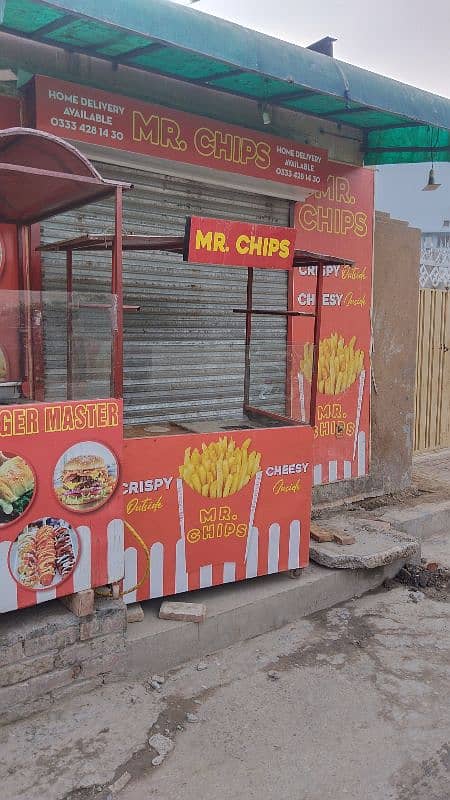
<point>56,640</point>
<point>35,622</point>
<point>10,654</point>
<point>183,612</point>
<point>103,665</point>
<point>26,668</point>
<point>77,688</point>
<point>10,696</point>
<point>135,613</point>
<point>81,604</point>
<point>25,710</point>
<point>11,628</point>
<point>343,538</point>
<point>109,605</point>
<point>319,534</point>
<point>100,624</point>
<point>50,681</point>
<point>84,651</point>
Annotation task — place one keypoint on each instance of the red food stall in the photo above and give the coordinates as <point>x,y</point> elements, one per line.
<point>209,502</point>
<point>204,501</point>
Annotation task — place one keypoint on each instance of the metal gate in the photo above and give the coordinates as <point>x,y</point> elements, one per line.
<point>432,421</point>
<point>184,349</point>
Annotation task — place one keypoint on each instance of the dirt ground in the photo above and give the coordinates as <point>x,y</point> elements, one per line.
<point>350,703</point>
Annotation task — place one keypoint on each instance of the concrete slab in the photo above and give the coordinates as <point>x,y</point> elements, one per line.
<point>376,543</point>
<point>420,517</point>
<point>437,548</point>
<point>372,548</point>
<point>237,612</point>
<point>420,521</point>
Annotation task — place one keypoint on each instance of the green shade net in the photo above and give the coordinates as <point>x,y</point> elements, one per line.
<point>399,123</point>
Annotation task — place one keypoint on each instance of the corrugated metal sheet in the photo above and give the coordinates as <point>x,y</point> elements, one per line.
<point>184,351</point>
<point>91,339</point>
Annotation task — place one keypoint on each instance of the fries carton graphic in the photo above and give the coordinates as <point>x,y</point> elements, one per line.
<point>218,491</point>
<point>341,380</point>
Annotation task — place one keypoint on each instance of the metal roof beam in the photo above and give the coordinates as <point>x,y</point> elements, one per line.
<point>206,80</point>
<point>139,51</point>
<point>318,116</point>
<point>394,126</point>
<point>278,98</point>
<point>413,148</point>
<point>92,48</point>
<point>348,111</point>
<point>88,50</point>
<point>53,26</point>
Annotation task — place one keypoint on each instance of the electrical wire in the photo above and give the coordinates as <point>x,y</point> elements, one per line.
<point>123,592</point>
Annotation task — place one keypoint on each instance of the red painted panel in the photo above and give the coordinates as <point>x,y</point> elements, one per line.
<point>213,508</point>
<point>60,500</point>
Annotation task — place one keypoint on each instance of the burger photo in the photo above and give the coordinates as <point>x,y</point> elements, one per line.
<point>85,481</point>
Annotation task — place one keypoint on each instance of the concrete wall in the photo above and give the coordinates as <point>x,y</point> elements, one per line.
<point>396,303</point>
<point>395,309</point>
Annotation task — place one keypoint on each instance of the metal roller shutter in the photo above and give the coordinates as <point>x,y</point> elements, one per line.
<point>184,350</point>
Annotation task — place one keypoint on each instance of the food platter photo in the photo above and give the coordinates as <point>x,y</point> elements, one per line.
<point>85,477</point>
<point>17,487</point>
<point>44,554</point>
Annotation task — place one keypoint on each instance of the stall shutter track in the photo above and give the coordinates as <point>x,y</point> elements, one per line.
<point>184,349</point>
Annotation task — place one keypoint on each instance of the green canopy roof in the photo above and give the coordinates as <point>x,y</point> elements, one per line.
<point>399,123</point>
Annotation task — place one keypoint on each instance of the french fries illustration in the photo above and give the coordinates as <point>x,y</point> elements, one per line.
<point>339,363</point>
<point>221,468</point>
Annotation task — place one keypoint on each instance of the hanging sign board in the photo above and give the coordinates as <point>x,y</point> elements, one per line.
<point>239,244</point>
<point>338,221</point>
<point>9,112</point>
<point>90,115</point>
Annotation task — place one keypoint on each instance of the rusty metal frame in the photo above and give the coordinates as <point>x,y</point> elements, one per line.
<point>317,331</point>
<point>116,307</point>
<point>119,243</point>
<point>95,188</point>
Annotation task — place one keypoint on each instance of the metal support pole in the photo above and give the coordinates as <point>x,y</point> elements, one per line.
<point>69,323</point>
<point>27,364</point>
<point>248,336</point>
<point>290,328</point>
<point>117,291</point>
<point>317,332</point>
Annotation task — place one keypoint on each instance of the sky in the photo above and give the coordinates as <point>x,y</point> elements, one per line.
<point>404,39</point>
